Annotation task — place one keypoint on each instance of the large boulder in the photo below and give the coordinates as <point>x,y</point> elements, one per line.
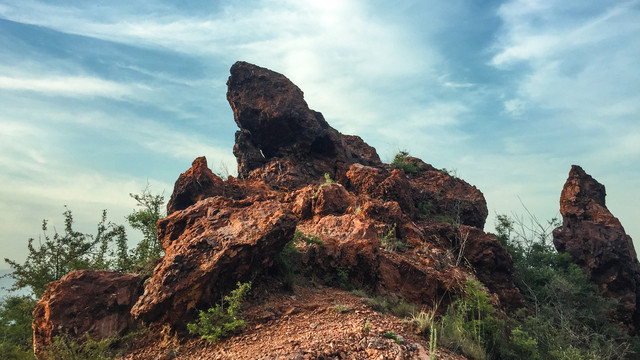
<point>208,248</point>
<point>277,125</point>
<point>428,192</point>
<point>597,242</point>
<point>91,303</point>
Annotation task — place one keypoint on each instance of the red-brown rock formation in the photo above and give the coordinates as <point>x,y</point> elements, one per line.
<point>597,242</point>
<point>277,128</point>
<point>197,183</point>
<point>394,232</point>
<point>95,303</point>
<point>208,248</point>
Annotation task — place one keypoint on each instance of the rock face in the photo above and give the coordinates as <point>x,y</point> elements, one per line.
<point>276,125</point>
<point>414,235</point>
<point>96,303</point>
<point>597,242</point>
<point>208,248</point>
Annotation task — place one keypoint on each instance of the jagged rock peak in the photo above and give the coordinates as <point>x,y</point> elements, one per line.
<point>197,183</point>
<point>597,242</point>
<point>276,125</point>
<point>581,192</point>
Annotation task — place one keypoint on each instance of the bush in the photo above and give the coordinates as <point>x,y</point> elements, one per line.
<point>569,317</point>
<point>54,256</point>
<point>395,306</point>
<point>342,309</point>
<point>216,323</point>
<point>16,334</point>
<point>401,161</point>
<point>287,262</point>
<point>145,219</point>
<point>67,347</point>
<point>393,336</point>
<point>471,325</point>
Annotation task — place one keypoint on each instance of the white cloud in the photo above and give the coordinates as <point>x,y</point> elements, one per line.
<point>581,60</point>
<point>305,40</point>
<point>65,86</point>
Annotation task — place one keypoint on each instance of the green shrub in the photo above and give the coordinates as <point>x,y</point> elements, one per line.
<point>342,278</point>
<point>359,293</point>
<point>401,161</point>
<point>16,334</point>
<point>423,320</point>
<point>471,325</point>
<point>393,336</point>
<point>391,243</point>
<point>216,323</point>
<point>67,347</point>
<point>287,262</point>
<point>570,318</point>
<point>327,180</point>
<point>424,208</point>
<point>15,352</point>
<point>445,219</point>
<point>366,327</point>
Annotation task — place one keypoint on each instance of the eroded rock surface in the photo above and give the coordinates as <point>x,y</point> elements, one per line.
<point>208,248</point>
<point>279,132</point>
<point>597,242</point>
<point>95,303</point>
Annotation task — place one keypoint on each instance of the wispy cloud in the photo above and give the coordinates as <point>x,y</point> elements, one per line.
<point>65,86</point>
<point>583,57</point>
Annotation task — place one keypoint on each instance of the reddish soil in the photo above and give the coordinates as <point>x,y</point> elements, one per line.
<point>309,323</point>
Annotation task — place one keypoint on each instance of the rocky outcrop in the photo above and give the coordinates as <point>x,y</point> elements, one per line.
<point>92,303</point>
<point>197,183</point>
<point>597,242</point>
<point>429,192</point>
<point>208,248</point>
<point>415,235</point>
<point>278,131</point>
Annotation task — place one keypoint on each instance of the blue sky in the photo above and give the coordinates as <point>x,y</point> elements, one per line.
<point>99,98</point>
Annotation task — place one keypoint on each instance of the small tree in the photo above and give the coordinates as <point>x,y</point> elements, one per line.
<point>401,161</point>
<point>145,219</point>
<point>52,257</point>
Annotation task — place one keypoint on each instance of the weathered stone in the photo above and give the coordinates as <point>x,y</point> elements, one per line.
<point>208,248</point>
<point>197,183</point>
<point>492,263</point>
<point>597,242</point>
<point>331,199</point>
<point>276,124</point>
<point>450,196</point>
<point>92,303</point>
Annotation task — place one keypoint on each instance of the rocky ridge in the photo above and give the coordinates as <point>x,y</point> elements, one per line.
<point>413,235</point>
